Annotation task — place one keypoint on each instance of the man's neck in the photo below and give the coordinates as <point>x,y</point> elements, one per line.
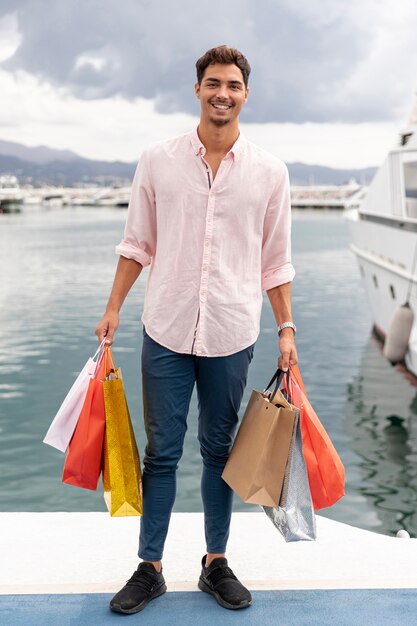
<point>217,140</point>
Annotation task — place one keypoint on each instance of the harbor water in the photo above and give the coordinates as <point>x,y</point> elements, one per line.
<point>57,268</point>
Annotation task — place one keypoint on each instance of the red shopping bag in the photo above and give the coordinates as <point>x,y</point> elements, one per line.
<point>83,462</point>
<point>326,474</point>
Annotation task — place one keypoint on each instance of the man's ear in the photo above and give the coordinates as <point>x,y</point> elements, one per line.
<point>197,90</point>
<point>246,94</point>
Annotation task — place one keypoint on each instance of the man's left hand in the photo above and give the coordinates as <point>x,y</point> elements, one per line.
<point>287,349</point>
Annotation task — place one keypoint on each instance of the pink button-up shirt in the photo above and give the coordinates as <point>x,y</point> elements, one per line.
<point>212,245</point>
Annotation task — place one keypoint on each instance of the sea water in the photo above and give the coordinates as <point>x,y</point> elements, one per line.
<point>57,268</point>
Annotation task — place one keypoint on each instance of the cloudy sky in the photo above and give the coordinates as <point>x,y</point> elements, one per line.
<point>332,80</point>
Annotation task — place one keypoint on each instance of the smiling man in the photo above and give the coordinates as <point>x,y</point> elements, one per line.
<point>210,214</point>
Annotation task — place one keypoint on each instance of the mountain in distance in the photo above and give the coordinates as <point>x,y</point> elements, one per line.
<point>303,174</point>
<point>68,173</point>
<point>42,165</point>
<point>38,154</point>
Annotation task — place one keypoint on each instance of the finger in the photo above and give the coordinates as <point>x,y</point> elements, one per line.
<point>285,361</point>
<point>293,357</point>
<point>101,332</point>
<point>111,330</point>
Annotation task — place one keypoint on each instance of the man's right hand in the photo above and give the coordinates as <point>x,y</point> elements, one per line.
<point>107,326</point>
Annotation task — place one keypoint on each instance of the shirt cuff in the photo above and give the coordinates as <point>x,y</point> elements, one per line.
<point>132,252</point>
<point>280,276</point>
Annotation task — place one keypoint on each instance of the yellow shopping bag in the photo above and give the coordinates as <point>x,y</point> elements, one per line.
<point>122,478</point>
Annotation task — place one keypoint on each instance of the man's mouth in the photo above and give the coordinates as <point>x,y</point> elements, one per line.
<point>221,107</point>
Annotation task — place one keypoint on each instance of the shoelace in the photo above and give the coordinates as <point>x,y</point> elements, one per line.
<point>142,579</point>
<point>219,574</point>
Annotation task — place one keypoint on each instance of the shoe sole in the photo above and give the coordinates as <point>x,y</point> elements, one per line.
<point>203,586</point>
<point>139,607</point>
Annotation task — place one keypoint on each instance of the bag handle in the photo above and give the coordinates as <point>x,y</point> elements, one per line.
<point>110,360</point>
<point>104,352</point>
<point>101,347</point>
<point>278,376</point>
<point>100,354</point>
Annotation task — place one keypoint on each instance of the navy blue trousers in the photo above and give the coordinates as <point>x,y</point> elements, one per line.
<point>168,380</point>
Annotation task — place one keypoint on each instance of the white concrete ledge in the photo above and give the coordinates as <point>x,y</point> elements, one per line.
<point>91,553</point>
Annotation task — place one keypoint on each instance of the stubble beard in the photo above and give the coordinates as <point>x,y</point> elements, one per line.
<point>219,122</point>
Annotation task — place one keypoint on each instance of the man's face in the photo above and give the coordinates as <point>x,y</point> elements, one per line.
<point>222,93</point>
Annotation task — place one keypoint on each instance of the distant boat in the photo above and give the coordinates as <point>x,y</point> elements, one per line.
<point>11,197</point>
<point>339,197</point>
<point>113,197</point>
<point>384,239</point>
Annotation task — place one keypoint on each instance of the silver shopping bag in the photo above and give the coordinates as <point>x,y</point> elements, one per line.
<point>294,517</point>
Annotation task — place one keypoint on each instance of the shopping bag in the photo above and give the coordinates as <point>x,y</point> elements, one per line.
<point>326,473</point>
<point>63,425</point>
<point>122,479</point>
<point>294,517</point>
<point>83,461</point>
<point>256,465</point>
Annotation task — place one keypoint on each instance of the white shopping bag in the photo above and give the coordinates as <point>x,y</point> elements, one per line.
<point>65,421</point>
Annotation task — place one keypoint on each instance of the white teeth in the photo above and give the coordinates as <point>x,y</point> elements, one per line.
<point>223,107</point>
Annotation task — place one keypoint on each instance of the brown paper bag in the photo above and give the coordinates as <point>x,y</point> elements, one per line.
<point>256,465</point>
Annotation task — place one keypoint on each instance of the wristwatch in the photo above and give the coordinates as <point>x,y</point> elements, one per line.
<point>287,325</point>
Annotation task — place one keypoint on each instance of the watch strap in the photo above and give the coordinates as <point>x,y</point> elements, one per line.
<point>287,325</point>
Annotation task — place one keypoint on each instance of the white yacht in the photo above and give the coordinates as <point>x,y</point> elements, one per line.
<point>384,239</point>
<point>11,197</point>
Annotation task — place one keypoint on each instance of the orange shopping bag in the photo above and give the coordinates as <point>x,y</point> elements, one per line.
<point>326,474</point>
<point>83,462</point>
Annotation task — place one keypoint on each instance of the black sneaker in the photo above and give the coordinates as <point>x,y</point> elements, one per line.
<point>219,580</point>
<point>145,585</point>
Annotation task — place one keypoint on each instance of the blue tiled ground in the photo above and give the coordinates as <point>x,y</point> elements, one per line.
<point>359,607</point>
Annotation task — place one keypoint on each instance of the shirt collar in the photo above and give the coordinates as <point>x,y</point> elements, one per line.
<point>199,149</point>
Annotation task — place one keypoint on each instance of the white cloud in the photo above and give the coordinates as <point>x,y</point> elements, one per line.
<point>333,145</point>
<point>36,113</point>
<point>10,37</point>
<point>92,60</point>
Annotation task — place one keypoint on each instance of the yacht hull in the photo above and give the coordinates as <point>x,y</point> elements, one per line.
<point>384,251</point>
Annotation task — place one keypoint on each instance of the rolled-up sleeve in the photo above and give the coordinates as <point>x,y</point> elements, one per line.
<point>276,263</point>
<point>139,241</point>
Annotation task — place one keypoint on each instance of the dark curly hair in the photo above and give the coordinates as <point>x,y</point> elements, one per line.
<point>225,56</point>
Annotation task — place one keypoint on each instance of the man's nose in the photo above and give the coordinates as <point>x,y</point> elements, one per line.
<point>222,91</point>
